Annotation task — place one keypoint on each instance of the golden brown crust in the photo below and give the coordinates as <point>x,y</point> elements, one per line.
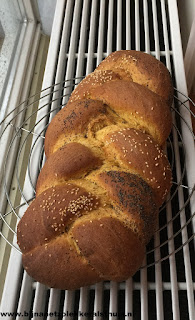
<point>56,218</point>
<point>142,68</point>
<point>105,175</point>
<point>128,192</point>
<point>139,106</point>
<point>93,80</point>
<point>58,264</point>
<point>138,152</point>
<point>109,247</point>
<point>72,119</point>
<point>72,161</point>
<point>51,213</point>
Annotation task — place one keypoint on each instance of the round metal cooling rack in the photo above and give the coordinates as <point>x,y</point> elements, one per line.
<point>170,212</point>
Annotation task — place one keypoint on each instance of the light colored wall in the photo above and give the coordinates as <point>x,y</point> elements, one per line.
<point>186,15</point>
<point>186,10</point>
<point>10,24</point>
<point>46,12</point>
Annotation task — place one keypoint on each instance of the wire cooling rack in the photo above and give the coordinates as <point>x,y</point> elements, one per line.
<point>23,136</point>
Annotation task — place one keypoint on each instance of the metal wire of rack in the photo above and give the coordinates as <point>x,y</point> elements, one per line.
<point>57,89</point>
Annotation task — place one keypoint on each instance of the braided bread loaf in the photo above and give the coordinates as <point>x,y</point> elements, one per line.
<point>98,194</point>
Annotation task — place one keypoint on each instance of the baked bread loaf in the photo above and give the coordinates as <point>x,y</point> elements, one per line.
<point>105,177</point>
